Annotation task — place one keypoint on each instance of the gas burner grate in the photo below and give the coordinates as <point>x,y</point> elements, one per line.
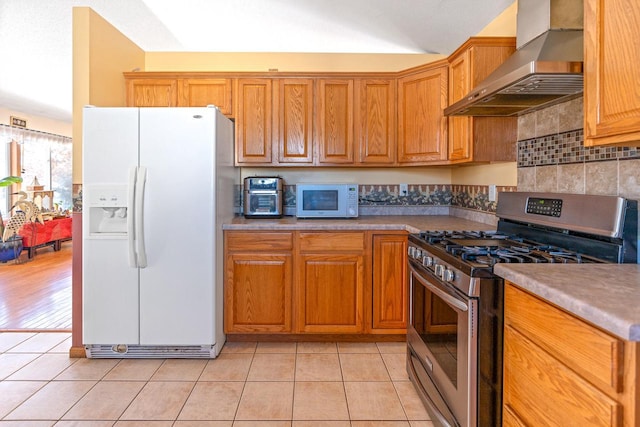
<point>437,236</point>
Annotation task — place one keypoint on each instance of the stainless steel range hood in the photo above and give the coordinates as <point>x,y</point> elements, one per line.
<point>546,69</point>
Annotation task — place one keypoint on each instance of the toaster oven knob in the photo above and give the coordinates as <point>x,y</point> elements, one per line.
<point>448,275</point>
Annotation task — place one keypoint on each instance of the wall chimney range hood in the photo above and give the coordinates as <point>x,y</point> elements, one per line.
<point>546,68</point>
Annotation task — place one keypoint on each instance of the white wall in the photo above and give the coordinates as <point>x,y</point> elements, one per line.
<point>42,124</point>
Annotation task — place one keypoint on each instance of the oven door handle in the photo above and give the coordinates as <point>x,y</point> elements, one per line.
<point>448,298</point>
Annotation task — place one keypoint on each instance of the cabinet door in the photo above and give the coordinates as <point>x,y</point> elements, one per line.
<point>335,121</point>
<point>422,127</point>
<point>253,121</point>
<point>294,121</point>
<point>258,292</point>
<point>330,282</point>
<point>152,93</point>
<point>375,122</point>
<point>544,392</point>
<point>258,281</point>
<point>330,294</point>
<point>480,139</point>
<point>611,72</point>
<point>202,92</point>
<point>389,282</point>
<point>459,127</point>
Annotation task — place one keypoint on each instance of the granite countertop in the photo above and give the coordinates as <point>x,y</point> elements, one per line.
<point>606,295</point>
<point>410,223</point>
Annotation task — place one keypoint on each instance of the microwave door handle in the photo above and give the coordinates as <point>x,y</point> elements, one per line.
<point>449,299</point>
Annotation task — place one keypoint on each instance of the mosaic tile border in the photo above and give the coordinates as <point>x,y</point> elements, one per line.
<point>567,147</point>
<point>475,197</point>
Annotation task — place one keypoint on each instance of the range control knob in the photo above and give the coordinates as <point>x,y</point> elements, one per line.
<point>411,251</point>
<point>427,261</point>
<point>448,275</point>
<point>439,269</point>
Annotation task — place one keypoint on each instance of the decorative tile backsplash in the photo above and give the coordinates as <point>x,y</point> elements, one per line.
<point>552,157</point>
<point>567,147</point>
<point>474,197</point>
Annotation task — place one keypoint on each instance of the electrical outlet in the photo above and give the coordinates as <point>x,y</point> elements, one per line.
<point>404,189</point>
<point>492,193</point>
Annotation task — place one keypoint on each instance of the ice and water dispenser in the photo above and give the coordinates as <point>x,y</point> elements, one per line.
<point>107,206</point>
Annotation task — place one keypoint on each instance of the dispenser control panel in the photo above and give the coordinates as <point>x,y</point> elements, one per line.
<point>114,196</point>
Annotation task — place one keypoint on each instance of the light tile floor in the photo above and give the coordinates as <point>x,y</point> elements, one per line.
<point>249,384</point>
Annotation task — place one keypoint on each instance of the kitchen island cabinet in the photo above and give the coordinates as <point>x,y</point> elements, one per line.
<point>611,73</point>
<point>562,370</point>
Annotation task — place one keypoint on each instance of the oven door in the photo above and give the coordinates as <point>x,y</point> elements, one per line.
<point>442,341</point>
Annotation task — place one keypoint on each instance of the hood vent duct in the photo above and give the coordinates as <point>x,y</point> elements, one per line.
<point>545,70</point>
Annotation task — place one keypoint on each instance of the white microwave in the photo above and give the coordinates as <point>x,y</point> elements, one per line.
<point>327,200</point>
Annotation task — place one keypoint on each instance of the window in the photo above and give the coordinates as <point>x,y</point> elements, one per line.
<point>37,154</point>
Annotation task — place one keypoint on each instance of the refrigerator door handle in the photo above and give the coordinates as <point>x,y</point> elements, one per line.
<point>141,183</point>
<point>133,262</point>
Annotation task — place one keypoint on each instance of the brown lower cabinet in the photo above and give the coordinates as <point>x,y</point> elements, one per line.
<point>562,371</point>
<point>258,281</point>
<point>315,282</point>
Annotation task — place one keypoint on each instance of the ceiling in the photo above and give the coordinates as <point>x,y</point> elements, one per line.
<point>36,40</point>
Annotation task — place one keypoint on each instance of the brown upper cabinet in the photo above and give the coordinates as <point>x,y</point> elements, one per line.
<point>253,121</point>
<point>313,122</point>
<point>334,119</point>
<point>375,122</point>
<point>200,92</point>
<point>151,92</point>
<point>178,90</point>
<point>348,119</point>
<point>422,127</point>
<point>479,139</point>
<point>611,73</point>
<point>293,120</point>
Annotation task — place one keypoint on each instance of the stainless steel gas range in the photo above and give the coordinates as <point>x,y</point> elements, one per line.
<point>454,336</point>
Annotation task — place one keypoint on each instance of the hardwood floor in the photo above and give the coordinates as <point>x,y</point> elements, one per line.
<point>35,294</point>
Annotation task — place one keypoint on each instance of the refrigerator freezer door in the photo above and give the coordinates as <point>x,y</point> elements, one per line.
<point>177,146</point>
<point>109,285</point>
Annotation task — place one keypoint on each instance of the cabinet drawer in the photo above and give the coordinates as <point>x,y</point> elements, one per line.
<point>258,241</point>
<point>346,241</point>
<point>544,392</point>
<point>593,353</point>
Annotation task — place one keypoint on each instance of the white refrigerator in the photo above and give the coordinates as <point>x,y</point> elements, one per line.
<point>157,185</point>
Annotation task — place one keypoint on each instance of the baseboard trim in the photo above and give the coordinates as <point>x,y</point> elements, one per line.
<point>316,337</point>
<point>77,352</point>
